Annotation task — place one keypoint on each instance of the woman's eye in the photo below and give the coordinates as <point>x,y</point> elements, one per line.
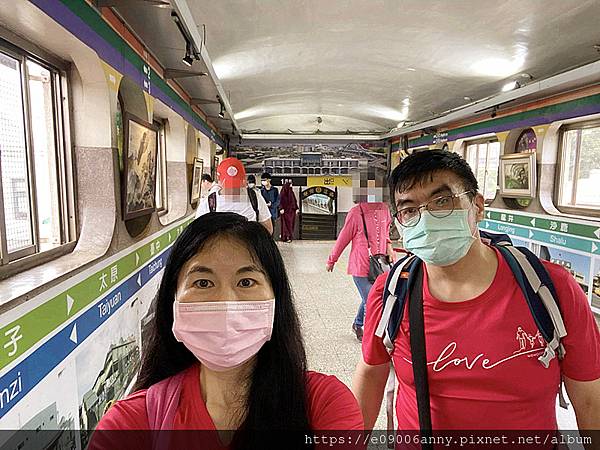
<point>246,283</point>
<point>203,284</point>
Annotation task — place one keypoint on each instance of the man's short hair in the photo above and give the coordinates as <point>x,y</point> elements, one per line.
<point>251,179</point>
<point>207,177</point>
<point>420,167</point>
<point>265,176</point>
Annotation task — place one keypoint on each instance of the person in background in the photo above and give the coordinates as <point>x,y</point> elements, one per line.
<point>289,209</point>
<point>226,338</point>
<point>271,196</point>
<point>368,192</point>
<point>234,196</point>
<point>208,185</point>
<point>252,183</point>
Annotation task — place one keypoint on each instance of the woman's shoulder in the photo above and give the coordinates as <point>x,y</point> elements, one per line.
<point>332,406</point>
<point>126,414</point>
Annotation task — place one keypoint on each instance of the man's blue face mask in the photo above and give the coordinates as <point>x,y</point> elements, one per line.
<point>440,241</point>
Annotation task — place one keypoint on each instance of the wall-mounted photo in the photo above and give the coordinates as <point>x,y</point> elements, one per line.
<point>518,175</point>
<point>196,175</point>
<point>139,167</point>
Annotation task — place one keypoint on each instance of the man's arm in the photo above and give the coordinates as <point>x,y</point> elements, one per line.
<point>585,396</point>
<point>368,386</point>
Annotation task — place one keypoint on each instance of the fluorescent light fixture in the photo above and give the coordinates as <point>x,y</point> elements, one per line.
<point>188,60</point>
<point>406,101</point>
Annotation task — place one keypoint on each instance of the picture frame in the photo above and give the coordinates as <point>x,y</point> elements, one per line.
<point>518,175</point>
<point>140,151</point>
<point>197,170</point>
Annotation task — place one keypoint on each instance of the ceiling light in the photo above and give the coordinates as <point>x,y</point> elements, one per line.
<point>510,86</point>
<point>467,98</point>
<point>406,101</point>
<point>222,110</point>
<point>188,59</point>
<point>411,69</point>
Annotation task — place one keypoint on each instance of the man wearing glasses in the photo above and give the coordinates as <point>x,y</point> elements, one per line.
<point>480,376</point>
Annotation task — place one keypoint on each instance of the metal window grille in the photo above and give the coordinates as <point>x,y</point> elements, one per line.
<point>32,159</point>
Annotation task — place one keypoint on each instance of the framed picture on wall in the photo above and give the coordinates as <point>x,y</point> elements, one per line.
<point>196,176</point>
<point>518,175</point>
<point>139,167</point>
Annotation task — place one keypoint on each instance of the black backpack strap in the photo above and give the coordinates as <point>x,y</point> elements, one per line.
<point>253,201</point>
<point>212,202</point>
<point>419,353</point>
<point>394,297</point>
<point>405,280</point>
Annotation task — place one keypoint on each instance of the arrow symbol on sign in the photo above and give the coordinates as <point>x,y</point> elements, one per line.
<point>533,222</point>
<point>597,233</point>
<point>488,214</point>
<point>487,224</point>
<point>73,336</point>
<point>594,247</point>
<point>139,280</point>
<point>70,302</point>
<point>530,233</point>
<point>169,237</point>
<point>137,259</point>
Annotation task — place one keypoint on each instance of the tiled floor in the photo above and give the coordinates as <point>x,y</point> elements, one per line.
<point>327,304</point>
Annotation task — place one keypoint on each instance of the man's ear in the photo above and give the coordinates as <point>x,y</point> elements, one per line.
<point>479,203</point>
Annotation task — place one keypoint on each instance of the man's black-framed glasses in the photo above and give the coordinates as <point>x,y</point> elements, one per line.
<point>438,207</point>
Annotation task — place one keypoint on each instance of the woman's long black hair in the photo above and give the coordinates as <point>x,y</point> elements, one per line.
<point>277,398</point>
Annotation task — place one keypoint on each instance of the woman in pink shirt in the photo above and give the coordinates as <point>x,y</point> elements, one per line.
<point>368,196</point>
<point>225,352</point>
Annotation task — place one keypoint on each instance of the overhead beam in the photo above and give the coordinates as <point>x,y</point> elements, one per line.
<point>121,3</point>
<point>183,10</point>
<point>203,101</point>
<point>319,137</point>
<point>170,74</point>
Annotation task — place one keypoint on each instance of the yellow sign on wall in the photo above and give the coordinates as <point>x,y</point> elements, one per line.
<point>339,181</point>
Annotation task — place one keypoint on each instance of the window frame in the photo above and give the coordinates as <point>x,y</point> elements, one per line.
<point>23,51</point>
<point>581,211</point>
<point>478,142</point>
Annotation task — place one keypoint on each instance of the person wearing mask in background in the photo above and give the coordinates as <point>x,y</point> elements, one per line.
<point>370,211</point>
<point>252,183</point>
<point>271,196</point>
<point>208,185</point>
<point>480,376</point>
<point>225,352</point>
<point>289,209</point>
<point>235,196</point>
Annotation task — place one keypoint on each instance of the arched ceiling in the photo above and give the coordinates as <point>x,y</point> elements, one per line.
<point>368,65</point>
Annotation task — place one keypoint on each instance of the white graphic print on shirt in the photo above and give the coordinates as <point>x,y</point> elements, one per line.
<point>526,342</point>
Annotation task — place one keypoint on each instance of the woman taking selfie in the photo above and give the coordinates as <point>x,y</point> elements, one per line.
<point>226,348</point>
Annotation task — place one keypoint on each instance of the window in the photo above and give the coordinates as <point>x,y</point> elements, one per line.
<point>579,171</point>
<point>34,207</point>
<point>484,159</point>
<point>161,168</point>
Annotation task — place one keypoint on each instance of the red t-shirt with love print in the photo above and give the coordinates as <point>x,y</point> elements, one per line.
<point>482,355</point>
